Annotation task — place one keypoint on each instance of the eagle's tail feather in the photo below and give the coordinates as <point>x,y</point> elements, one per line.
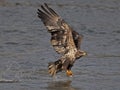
<point>54,67</point>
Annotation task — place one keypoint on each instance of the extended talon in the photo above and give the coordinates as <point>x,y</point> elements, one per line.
<point>69,73</point>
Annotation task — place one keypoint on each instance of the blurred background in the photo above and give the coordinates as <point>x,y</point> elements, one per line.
<point>25,48</point>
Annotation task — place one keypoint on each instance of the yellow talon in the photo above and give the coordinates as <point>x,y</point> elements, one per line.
<point>69,73</point>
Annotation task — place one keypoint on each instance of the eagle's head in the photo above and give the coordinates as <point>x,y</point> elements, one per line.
<point>80,54</point>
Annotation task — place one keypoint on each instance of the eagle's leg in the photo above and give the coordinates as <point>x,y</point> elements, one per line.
<point>67,67</point>
<point>69,72</point>
<point>57,66</point>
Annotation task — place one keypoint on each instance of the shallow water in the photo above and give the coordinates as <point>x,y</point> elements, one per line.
<point>25,49</point>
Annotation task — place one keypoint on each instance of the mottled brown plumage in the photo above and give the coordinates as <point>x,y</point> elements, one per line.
<point>64,39</point>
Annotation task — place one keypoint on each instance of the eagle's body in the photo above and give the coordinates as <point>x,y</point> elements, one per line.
<point>64,39</point>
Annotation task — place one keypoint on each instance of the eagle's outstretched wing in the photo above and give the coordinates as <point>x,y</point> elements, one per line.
<point>63,37</point>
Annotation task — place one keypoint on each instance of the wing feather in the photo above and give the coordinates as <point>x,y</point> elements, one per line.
<point>51,10</point>
<point>77,39</point>
<point>62,36</point>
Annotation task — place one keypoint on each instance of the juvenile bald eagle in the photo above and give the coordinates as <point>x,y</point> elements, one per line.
<point>64,39</point>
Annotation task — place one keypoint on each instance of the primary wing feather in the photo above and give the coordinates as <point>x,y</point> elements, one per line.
<point>61,33</point>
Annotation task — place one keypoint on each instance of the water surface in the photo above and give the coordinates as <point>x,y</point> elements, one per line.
<point>25,48</point>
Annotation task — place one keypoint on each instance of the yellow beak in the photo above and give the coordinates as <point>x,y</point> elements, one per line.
<point>84,53</point>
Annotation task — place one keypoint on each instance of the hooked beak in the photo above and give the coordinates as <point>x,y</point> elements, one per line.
<point>85,53</point>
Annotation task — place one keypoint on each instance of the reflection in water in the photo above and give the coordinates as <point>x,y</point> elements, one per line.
<point>60,85</point>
